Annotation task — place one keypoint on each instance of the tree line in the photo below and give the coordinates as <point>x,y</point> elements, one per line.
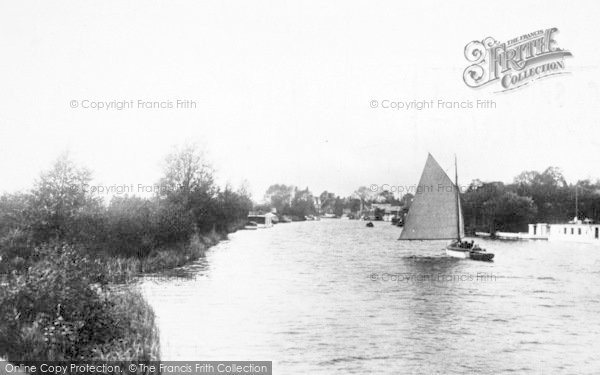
<point>296,203</point>
<point>532,197</point>
<point>60,209</point>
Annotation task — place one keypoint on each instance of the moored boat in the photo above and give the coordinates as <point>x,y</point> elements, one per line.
<point>251,225</point>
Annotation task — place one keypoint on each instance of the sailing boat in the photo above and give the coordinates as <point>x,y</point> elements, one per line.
<point>436,213</point>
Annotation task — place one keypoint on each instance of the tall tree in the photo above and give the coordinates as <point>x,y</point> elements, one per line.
<point>280,196</point>
<point>303,203</point>
<point>58,195</point>
<point>186,171</point>
<point>549,192</point>
<point>328,201</point>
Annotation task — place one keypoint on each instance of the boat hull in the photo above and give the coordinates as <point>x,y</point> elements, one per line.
<point>483,256</point>
<point>457,252</point>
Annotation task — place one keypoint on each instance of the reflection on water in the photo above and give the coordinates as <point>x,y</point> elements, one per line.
<point>335,296</point>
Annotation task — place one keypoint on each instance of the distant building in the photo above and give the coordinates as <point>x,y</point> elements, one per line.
<point>575,230</point>
<point>389,211</point>
<point>317,204</point>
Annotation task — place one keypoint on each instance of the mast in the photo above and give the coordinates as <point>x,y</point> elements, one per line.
<point>457,199</point>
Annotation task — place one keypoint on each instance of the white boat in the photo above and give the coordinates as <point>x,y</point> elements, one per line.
<point>457,252</point>
<point>262,221</point>
<point>436,214</point>
<point>251,225</point>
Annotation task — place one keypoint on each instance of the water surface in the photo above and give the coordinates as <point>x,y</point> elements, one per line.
<point>336,297</point>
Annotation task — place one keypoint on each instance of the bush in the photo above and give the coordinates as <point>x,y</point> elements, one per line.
<point>175,223</point>
<point>61,308</point>
<point>130,227</point>
<point>15,251</point>
<point>140,338</point>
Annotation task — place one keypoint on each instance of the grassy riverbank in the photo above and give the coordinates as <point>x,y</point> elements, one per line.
<point>64,308</point>
<point>66,258</point>
<point>68,306</point>
<point>123,270</point>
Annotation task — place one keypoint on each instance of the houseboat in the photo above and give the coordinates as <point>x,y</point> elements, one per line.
<point>262,220</point>
<point>574,231</point>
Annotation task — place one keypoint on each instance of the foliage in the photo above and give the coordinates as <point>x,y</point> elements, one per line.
<point>487,206</point>
<point>61,308</point>
<point>493,207</point>
<point>549,191</point>
<point>60,302</point>
<point>13,210</point>
<point>303,203</point>
<point>186,171</point>
<point>131,224</point>
<point>280,197</point>
<point>60,208</point>
<point>57,198</point>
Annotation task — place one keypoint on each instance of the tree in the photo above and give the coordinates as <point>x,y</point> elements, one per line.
<point>190,192</point>
<point>588,200</point>
<point>328,201</point>
<point>187,171</point>
<point>58,195</point>
<point>365,194</point>
<point>388,197</point>
<point>492,207</point>
<point>280,196</point>
<point>338,206</point>
<point>13,208</point>
<point>479,203</point>
<point>406,201</point>
<point>132,226</point>
<point>231,209</point>
<point>548,190</point>
<point>513,212</point>
<point>354,204</point>
<point>303,203</point>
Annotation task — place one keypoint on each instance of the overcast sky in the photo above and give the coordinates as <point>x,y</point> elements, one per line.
<point>283,90</point>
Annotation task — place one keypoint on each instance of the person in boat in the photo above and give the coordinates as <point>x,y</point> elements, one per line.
<point>461,244</point>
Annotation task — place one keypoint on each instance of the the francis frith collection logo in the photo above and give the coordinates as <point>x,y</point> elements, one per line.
<point>514,63</point>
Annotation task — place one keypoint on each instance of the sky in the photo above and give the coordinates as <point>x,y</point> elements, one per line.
<point>283,90</point>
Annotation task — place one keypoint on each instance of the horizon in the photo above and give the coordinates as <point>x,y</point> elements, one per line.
<point>148,190</point>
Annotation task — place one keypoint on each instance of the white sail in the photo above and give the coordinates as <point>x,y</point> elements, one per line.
<point>434,213</point>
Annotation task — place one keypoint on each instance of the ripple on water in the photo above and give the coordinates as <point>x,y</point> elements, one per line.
<point>351,359</point>
<point>300,294</point>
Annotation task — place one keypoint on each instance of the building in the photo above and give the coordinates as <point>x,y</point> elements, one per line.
<point>389,211</point>
<point>575,230</point>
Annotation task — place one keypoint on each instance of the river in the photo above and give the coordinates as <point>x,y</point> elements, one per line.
<point>333,296</point>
